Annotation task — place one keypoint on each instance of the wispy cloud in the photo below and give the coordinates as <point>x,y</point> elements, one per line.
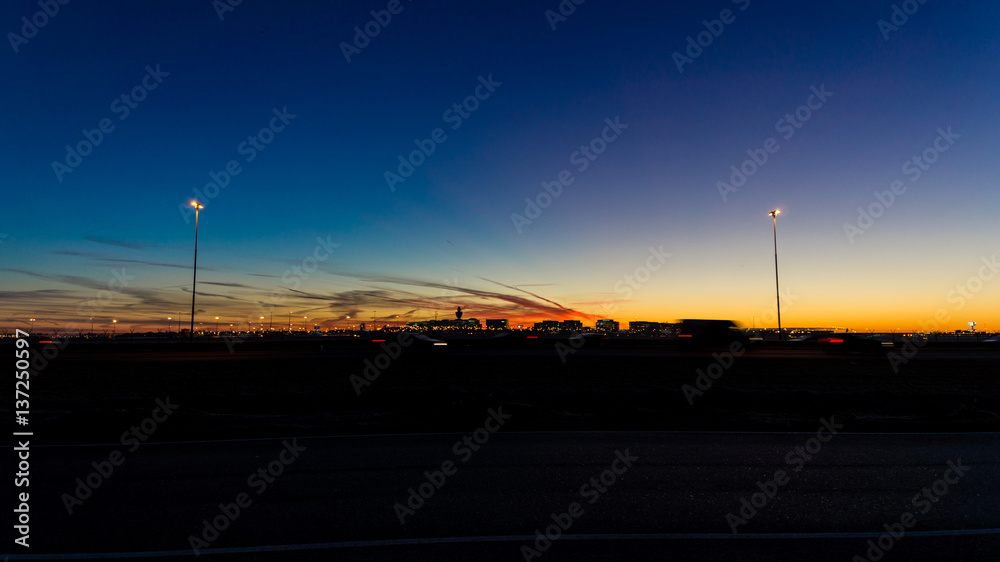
<point>478,301</point>
<point>204,294</point>
<point>112,242</point>
<point>372,294</point>
<point>554,303</point>
<point>75,280</point>
<point>221,284</point>
<point>104,259</point>
<point>90,255</point>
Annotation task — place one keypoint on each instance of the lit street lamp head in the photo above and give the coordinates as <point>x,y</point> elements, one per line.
<point>775,212</point>
<point>197,205</point>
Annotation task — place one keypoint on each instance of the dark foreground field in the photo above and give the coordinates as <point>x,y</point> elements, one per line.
<point>278,428</point>
<point>93,393</point>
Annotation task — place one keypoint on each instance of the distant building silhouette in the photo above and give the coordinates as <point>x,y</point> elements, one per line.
<point>547,326</point>
<point>463,325</point>
<point>646,328</point>
<point>497,324</point>
<point>607,326</point>
<point>571,325</point>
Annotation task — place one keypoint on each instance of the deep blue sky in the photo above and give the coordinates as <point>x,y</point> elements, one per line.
<point>450,223</point>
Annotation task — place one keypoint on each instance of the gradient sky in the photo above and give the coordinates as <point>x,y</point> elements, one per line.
<point>445,236</point>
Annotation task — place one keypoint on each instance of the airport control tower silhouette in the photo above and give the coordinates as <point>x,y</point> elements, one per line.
<point>458,313</point>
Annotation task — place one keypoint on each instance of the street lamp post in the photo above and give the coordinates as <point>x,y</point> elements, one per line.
<point>774,220</point>
<point>194,281</point>
<point>32,325</point>
<point>216,325</point>
<point>114,326</point>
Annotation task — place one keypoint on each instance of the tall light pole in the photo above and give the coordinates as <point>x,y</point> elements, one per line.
<point>774,220</point>
<point>194,281</point>
<point>32,320</point>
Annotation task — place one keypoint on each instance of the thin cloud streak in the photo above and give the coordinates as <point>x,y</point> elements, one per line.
<point>112,242</point>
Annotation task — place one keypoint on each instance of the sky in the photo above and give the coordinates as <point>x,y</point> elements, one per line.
<point>522,160</point>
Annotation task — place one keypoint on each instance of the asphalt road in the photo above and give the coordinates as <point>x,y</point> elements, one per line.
<point>664,496</point>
